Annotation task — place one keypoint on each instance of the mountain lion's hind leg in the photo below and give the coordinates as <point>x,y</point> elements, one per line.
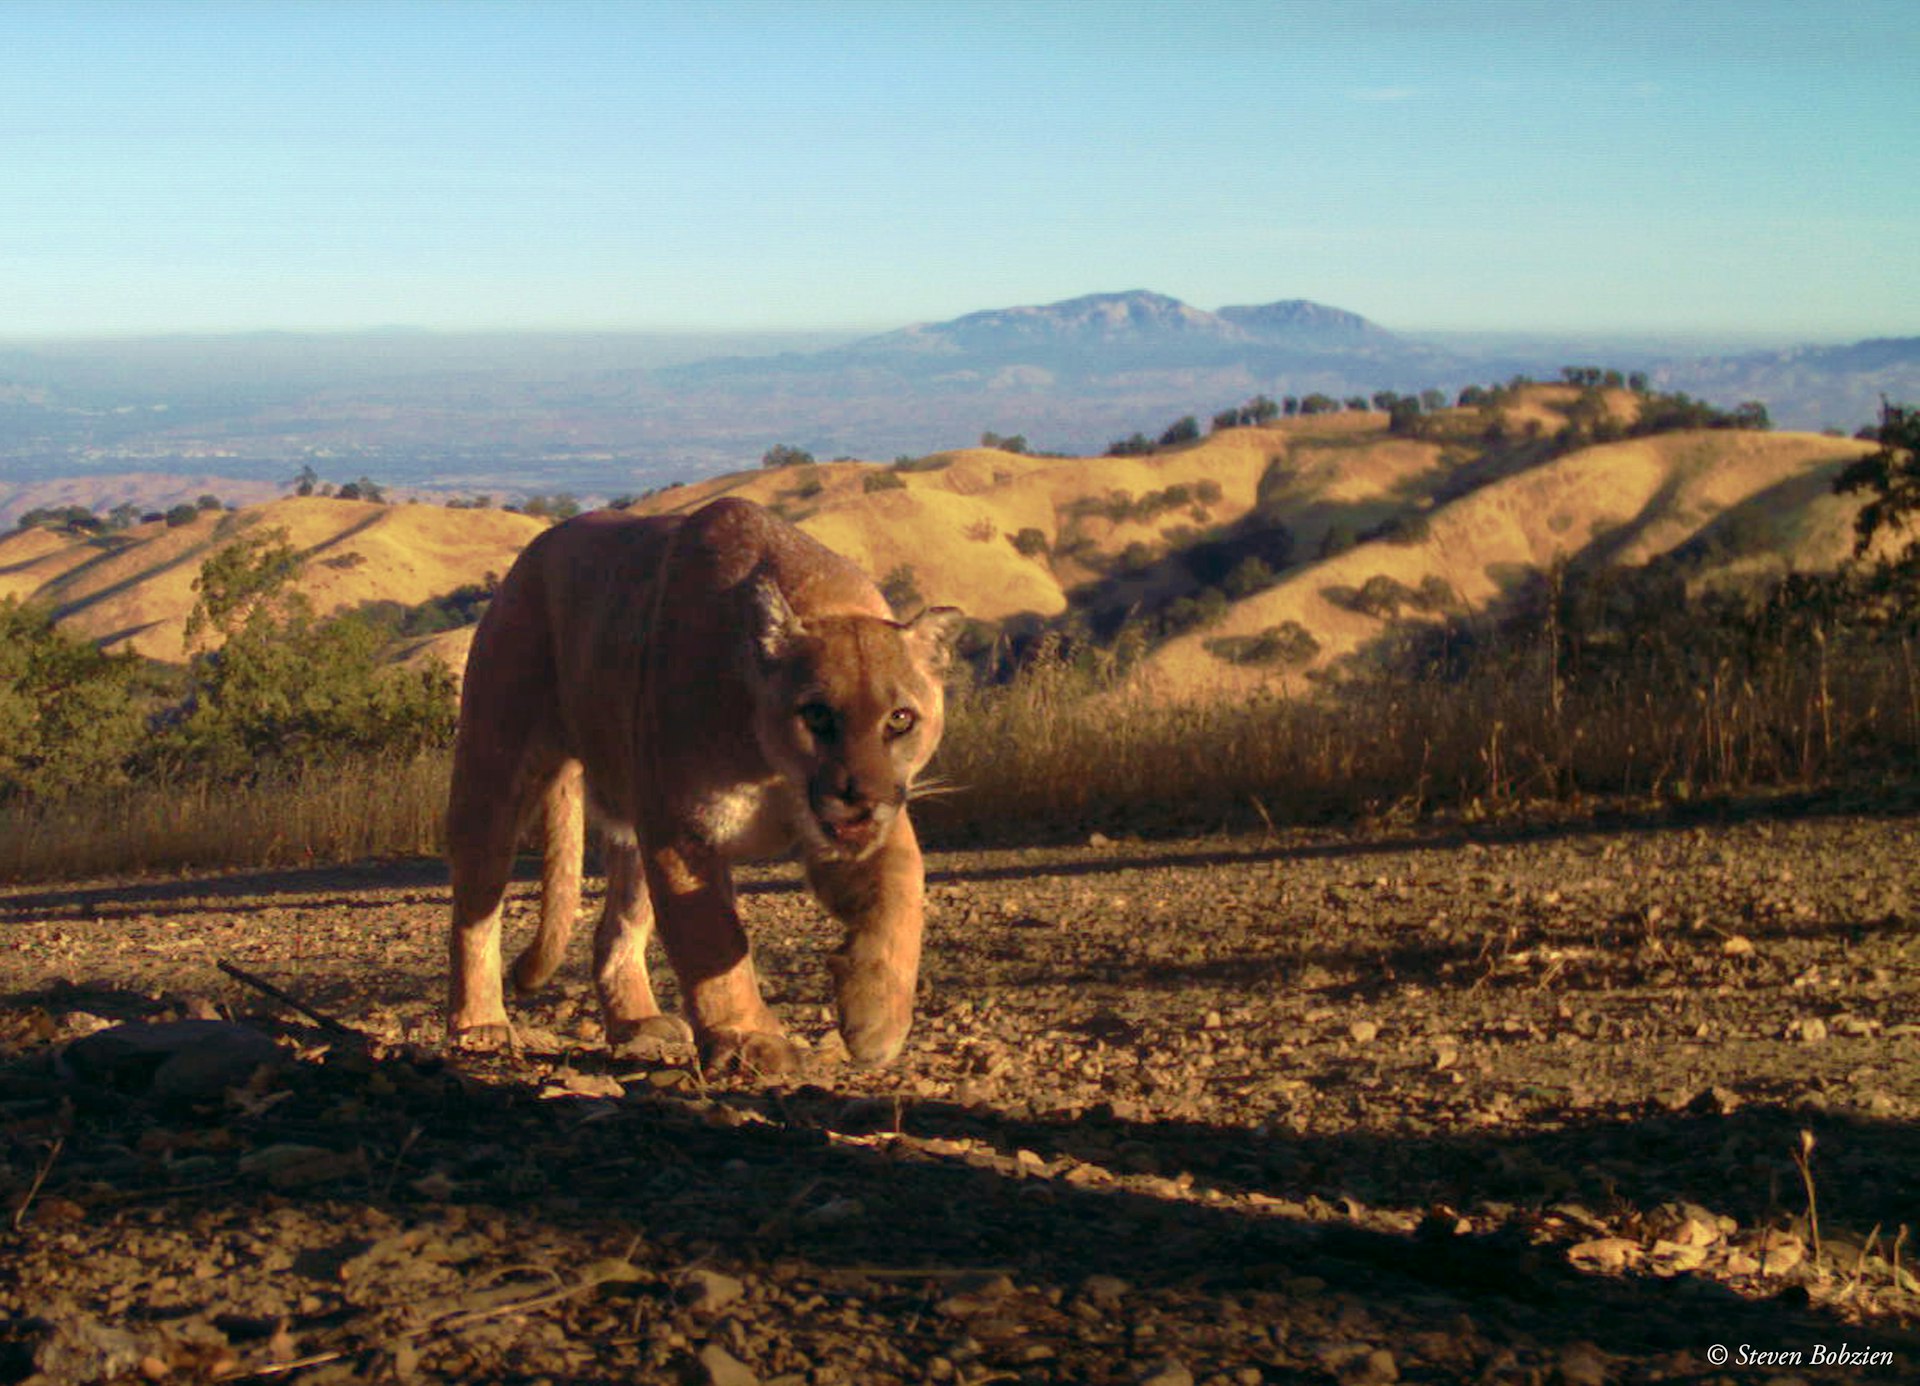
<point>633,1019</point>
<point>502,766</point>
<point>483,826</point>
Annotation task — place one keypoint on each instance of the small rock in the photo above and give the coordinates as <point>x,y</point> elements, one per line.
<point>722,1368</point>
<point>1582,1364</point>
<point>1375,1368</point>
<point>973,1295</point>
<point>53,1209</point>
<point>1364,1031</point>
<point>1099,840</point>
<point>1808,1029</point>
<point>293,1166</point>
<point>186,1061</point>
<point>1170,1372</point>
<point>1673,1258</point>
<point>1687,1224</point>
<point>437,1185</point>
<point>833,1212</point>
<point>571,1084</point>
<point>1779,1254</point>
<point>1604,1254</point>
<point>1104,1290</point>
<point>708,1291</point>
<point>1715,1101</point>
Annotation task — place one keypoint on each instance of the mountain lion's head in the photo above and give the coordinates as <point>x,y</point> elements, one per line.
<point>849,708</point>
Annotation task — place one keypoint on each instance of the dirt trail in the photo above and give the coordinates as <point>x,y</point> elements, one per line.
<point>1314,1108</point>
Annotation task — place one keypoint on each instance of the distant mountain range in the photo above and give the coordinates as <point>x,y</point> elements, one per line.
<point>1082,342</point>
<point>605,414</point>
<point>1077,359</point>
<point>1807,387</point>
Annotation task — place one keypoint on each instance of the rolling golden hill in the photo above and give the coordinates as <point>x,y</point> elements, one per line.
<point>1629,502</point>
<point>134,589</point>
<point>1470,512</point>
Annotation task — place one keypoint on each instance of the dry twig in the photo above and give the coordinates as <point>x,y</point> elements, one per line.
<point>320,1018</point>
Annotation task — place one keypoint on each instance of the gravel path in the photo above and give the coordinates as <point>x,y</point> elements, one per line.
<point>1537,1108</point>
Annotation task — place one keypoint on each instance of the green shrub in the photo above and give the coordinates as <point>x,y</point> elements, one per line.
<point>1029,543</point>
<point>69,715</point>
<point>1405,529</point>
<point>786,455</point>
<point>901,588</point>
<point>1250,575</point>
<point>1383,596</point>
<point>1287,645</point>
<point>286,688</point>
<point>882,481</point>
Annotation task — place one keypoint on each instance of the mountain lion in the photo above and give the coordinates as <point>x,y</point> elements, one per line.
<point>716,686</point>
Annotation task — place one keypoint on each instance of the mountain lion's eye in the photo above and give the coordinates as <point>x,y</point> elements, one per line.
<point>901,721</point>
<point>818,718</point>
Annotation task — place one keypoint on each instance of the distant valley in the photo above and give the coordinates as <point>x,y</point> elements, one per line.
<point>606,415</point>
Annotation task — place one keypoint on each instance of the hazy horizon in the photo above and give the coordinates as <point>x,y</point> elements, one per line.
<point>688,344</point>
<point>1721,171</point>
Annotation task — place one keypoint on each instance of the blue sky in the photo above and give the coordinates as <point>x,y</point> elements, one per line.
<point>1703,167</point>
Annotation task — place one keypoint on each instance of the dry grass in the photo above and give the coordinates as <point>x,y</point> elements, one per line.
<point>1046,758</point>
<point>341,813</point>
<point>1057,755</point>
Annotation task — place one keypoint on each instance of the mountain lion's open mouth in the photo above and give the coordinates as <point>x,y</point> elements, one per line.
<point>852,829</point>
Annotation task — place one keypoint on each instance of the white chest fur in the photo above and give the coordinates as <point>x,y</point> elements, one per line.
<point>748,820</point>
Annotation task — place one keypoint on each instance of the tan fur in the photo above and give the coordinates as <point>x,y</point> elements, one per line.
<point>716,686</point>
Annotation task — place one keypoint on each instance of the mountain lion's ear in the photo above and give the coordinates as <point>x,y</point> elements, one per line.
<point>776,629</point>
<point>933,632</point>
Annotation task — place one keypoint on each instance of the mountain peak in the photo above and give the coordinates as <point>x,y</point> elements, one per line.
<point>1299,319</point>
<point>1105,319</point>
<point>1131,321</point>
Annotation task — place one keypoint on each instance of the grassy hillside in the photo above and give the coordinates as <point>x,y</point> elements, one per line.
<point>1754,502</point>
<point>133,589</point>
<point>1357,531</point>
<point>1470,510</point>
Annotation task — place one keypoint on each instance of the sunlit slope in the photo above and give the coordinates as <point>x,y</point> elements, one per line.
<point>953,519</point>
<point>1766,496</point>
<point>134,589</point>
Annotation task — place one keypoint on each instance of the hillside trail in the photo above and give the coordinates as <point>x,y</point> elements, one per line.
<point>1567,1105</point>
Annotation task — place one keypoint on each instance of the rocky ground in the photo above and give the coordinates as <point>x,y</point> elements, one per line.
<point>1569,1105</point>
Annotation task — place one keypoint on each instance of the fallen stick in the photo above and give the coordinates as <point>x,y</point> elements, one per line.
<point>452,1322</point>
<point>39,1178</point>
<point>320,1018</point>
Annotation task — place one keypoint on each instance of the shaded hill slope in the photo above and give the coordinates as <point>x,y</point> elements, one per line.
<point>1761,502</point>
